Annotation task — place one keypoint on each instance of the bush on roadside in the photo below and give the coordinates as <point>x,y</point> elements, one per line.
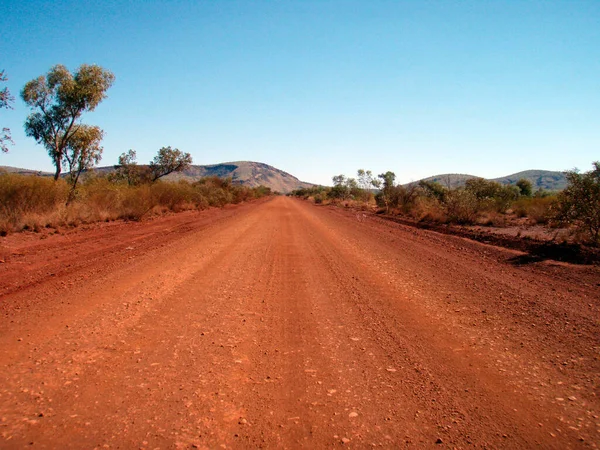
<point>537,209</point>
<point>462,206</point>
<point>29,197</point>
<point>579,204</point>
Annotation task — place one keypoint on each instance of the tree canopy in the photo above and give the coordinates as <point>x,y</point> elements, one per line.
<point>579,203</point>
<point>83,152</point>
<point>6,100</point>
<point>169,160</point>
<point>58,100</point>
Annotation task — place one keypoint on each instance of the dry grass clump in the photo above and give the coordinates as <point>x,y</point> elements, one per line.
<point>537,209</point>
<point>29,202</point>
<point>428,209</point>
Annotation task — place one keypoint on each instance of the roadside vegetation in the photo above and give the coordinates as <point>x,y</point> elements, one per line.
<point>37,202</point>
<point>478,202</point>
<point>75,195</point>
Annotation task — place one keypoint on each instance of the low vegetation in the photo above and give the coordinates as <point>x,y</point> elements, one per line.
<point>579,204</point>
<point>37,202</point>
<point>479,201</point>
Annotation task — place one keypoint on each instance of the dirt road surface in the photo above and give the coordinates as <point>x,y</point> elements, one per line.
<point>281,324</point>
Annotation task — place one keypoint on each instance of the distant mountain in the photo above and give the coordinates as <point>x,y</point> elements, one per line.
<point>246,173</point>
<point>449,180</point>
<point>540,179</point>
<point>24,171</point>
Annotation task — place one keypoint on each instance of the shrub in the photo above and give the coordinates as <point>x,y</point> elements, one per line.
<point>32,202</point>
<point>504,198</point>
<point>136,202</point>
<point>579,203</point>
<point>428,209</point>
<point>462,206</point>
<point>433,189</point>
<point>537,209</point>
<point>525,187</point>
<point>29,196</point>
<point>482,188</point>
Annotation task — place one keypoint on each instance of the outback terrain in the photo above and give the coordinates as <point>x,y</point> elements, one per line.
<point>252,174</point>
<point>281,324</point>
<point>246,173</point>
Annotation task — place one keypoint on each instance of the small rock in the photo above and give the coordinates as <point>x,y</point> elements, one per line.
<point>345,440</point>
<point>353,414</point>
<point>439,441</point>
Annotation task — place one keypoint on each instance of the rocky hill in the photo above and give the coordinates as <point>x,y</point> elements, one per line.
<point>540,179</point>
<point>247,173</point>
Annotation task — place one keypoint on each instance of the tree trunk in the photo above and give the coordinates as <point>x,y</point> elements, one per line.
<point>74,180</point>
<point>58,169</point>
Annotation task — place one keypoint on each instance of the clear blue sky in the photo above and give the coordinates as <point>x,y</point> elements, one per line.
<point>318,88</point>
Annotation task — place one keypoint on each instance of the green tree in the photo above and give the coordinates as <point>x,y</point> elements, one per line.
<point>482,188</point>
<point>129,171</point>
<point>579,203</point>
<point>386,195</point>
<point>340,187</point>
<point>366,182</point>
<point>434,189</point>
<point>505,196</point>
<point>82,153</point>
<point>525,187</point>
<point>6,101</point>
<point>169,160</point>
<point>58,100</point>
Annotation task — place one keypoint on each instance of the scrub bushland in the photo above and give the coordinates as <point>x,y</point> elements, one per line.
<point>31,202</point>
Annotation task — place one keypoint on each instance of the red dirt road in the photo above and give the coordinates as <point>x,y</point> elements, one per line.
<point>281,324</point>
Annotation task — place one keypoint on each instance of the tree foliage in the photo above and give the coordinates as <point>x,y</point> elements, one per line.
<point>129,171</point>
<point>386,195</point>
<point>6,101</point>
<point>366,180</point>
<point>482,188</point>
<point>83,152</point>
<point>169,160</point>
<point>486,191</point>
<point>58,100</point>
<point>579,203</point>
<point>525,187</point>
<point>434,189</point>
<point>340,189</point>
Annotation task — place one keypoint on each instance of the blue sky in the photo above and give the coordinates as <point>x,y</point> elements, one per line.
<point>318,88</point>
